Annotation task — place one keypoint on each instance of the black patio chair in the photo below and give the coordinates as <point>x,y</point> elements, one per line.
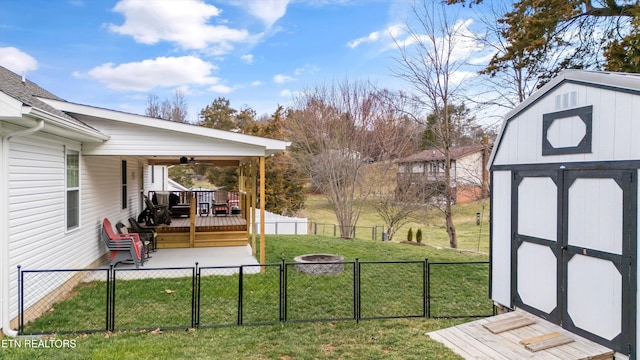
<point>154,214</point>
<point>146,233</point>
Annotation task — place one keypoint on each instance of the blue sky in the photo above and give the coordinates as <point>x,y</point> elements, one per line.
<point>256,53</point>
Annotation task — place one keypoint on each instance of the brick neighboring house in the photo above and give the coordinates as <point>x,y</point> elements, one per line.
<point>425,172</point>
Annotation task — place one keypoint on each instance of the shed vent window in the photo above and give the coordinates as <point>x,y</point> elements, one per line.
<point>566,100</point>
<point>72,165</point>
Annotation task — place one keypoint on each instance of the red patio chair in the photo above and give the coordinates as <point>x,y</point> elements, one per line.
<point>122,246</point>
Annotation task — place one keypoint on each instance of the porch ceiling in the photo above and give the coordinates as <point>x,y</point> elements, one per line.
<point>193,160</point>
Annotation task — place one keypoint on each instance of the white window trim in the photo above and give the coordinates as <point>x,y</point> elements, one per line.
<point>67,150</point>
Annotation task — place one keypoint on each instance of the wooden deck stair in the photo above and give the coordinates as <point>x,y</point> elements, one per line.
<point>210,231</point>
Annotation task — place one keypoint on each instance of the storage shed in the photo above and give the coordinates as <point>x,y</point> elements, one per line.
<point>564,194</point>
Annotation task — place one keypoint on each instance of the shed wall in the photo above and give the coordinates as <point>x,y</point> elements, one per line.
<point>501,237</point>
<point>615,133</point>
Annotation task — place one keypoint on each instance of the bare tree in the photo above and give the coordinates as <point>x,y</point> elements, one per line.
<point>153,107</point>
<point>179,107</point>
<point>337,132</point>
<point>508,82</point>
<point>174,110</point>
<point>396,205</point>
<point>431,60</point>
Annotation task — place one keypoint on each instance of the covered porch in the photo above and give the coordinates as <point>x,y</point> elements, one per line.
<point>140,143</point>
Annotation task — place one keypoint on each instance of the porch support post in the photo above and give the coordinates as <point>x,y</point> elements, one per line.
<point>192,221</point>
<point>254,231</point>
<point>262,203</point>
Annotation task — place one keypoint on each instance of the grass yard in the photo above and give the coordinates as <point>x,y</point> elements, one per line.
<point>147,302</point>
<point>471,236</point>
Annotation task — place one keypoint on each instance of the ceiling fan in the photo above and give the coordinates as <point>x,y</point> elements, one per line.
<point>188,161</point>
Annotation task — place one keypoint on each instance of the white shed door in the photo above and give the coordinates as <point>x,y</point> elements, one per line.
<point>574,251</point>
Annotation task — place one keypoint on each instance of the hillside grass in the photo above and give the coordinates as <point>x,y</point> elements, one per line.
<point>471,237</point>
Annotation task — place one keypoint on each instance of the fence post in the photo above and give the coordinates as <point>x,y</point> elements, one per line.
<point>108,299</point>
<point>428,288</point>
<point>425,292</point>
<point>195,297</point>
<point>282,297</point>
<point>112,302</point>
<point>20,301</point>
<point>240,296</point>
<point>356,291</point>
<point>284,292</point>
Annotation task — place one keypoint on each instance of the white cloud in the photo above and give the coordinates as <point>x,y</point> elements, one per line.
<point>385,36</point>
<point>159,72</point>
<point>269,11</point>
<point>183,22</point>
<point>222,89</point>
<point>458,77</point>
<point>286,93</point>
<point>281,79</point>
<point>309,69</point>
<point>257,83</point>
<point>248,58</point>
<point>16,60</point>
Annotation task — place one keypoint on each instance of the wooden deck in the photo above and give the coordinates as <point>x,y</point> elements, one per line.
<point>209,231</point>
<point>475,341</point>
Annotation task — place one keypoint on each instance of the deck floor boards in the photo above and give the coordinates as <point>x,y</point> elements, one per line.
<point>206,221</point>
<point>473,341</point>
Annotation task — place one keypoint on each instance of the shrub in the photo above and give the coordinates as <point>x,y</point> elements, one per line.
<point>419,235</point>
<point>410,235</point>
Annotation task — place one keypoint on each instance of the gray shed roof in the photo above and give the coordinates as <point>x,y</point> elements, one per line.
<point>626,82</point>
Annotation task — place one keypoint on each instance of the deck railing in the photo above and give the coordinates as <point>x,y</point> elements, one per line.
<point>204,199</point>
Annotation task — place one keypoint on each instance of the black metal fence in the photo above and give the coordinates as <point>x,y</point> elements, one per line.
<point>109,299</point>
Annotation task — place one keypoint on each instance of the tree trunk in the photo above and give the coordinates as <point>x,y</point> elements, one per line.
<point>448,213</point>
<point>451,229</point>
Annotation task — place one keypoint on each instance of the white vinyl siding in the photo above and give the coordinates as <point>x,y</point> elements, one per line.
<point>37,215</point>
<point>468,169</point>
<point>149,141</point>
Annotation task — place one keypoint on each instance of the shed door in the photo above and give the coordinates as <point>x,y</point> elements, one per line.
<point>574,251</point>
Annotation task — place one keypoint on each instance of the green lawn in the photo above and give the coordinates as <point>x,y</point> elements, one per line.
<point>147,302</point>
<point>471,236</point>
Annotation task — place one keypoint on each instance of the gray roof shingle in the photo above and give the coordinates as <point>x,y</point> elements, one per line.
<point>28,93</point>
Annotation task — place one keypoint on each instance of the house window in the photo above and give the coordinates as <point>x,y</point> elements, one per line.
<point>72,165</point>
<point>124,184</point>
